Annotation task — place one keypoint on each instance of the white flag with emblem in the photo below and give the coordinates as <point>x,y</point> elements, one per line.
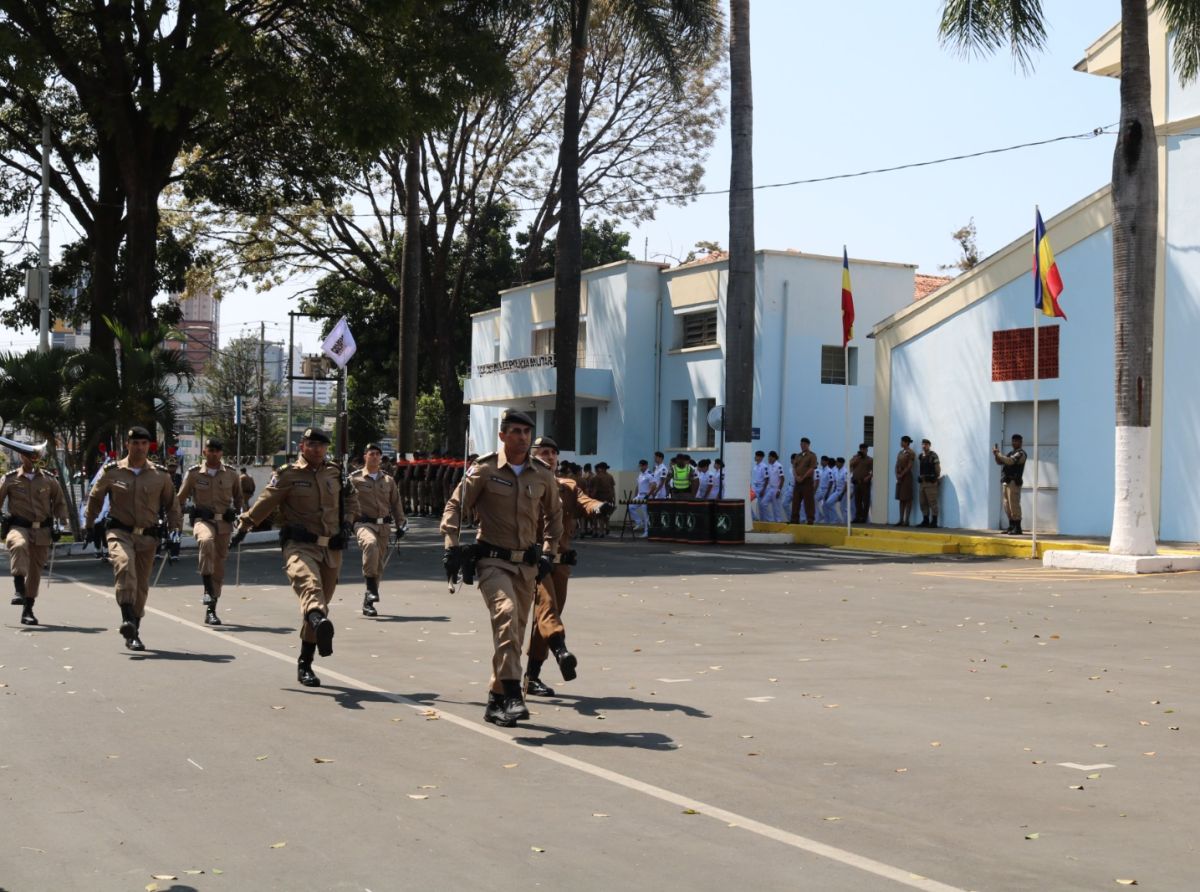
<point>339,346</point>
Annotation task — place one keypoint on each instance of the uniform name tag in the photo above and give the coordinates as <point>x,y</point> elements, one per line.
<point>302,483</point>
<point>121,483</point>
<point>500,480</point>
<point>202,482</point>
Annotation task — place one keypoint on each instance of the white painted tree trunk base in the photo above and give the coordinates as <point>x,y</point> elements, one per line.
<point>1120,563</point>
<point>769,539</point>
<point>738,459</point>
<point>1133,522</point>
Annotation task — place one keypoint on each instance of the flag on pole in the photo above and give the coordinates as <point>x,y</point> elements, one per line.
<point>1047,283</point>
<point>847,301</point>
<point>339,346</point>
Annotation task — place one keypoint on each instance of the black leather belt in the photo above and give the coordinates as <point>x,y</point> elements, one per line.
<point>114,524</point>
<point>204,513</point>
<point>528,556</point>
<point>15,521</point>
<point>365,519</point>
<point>300,534</point>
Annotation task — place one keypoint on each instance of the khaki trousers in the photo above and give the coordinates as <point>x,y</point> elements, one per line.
<point>313,573</point>
<point>212,541</point>
<point>929,497</point>
<point>804,495</point>
<point>132,559</point>
<point>26,558</point>
<point>373,540</point>
<point>862,501</point>
<point>547,611</point>
<point>507,591</point>
<point>1012,499</point>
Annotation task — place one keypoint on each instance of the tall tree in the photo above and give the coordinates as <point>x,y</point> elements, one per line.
<point>983,26</point>
<point>675,30</point>
<point>739,295</point>
<point>232,372</point>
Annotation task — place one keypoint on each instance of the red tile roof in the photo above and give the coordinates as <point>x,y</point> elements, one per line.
<point>924,285</point>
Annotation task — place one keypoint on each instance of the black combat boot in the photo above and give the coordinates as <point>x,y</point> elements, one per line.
<point>18,591</point>
<point>1016,528</point>
<point>495,713</point>
<point>135,643</point>
<point>933,521</point>
<point>209,598</point>
<point>304,670</point>
<point>128,623</point>
<point>210,615</point>
<point>368,608</point>
<point>27,617</point>
<point>514,703</point>
<point>924,520</point>
<point>534,686</point>
<point>323,629</point>
<point>373,589</point>
<point>566,659</point>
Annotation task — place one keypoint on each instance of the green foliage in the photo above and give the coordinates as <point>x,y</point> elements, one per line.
<point>969,259</point>
<point>602,243</point>
<point>431,423</point>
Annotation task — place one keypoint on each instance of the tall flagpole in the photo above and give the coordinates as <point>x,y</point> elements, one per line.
<point>846,449</point>
<point>1037,311</point>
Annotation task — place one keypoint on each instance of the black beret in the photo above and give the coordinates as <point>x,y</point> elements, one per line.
<point>316,435</point>
<point>214,443</point>
<point>515,416</point>
<point>601,464</point>
<point>137,432</point>
<point>906,439</point>
<point>371,446</point>
<point>545,442</point>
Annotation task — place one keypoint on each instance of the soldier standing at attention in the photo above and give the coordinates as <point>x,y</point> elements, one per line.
<point>316,505</point>
<point>548,634</point>
<point>35,501</point>
<point>1012,473</point>
<point>862,469</point>
<point>929,472</point>
<point>604,489</point>
<point>216,493</point>
<point>514,498</point>
<point>758,485</point>
<point>137,491</point>
<point>804,467</point>
<point>380,511</point>
<point>638,512</point>
<point>904,483</point>
<point>660,477</point>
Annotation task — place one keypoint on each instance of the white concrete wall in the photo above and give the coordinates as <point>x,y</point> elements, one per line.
<point>942,388</point>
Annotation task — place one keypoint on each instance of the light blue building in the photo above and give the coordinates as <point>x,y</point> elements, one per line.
<point>958,366</point>
<point>651,357</point>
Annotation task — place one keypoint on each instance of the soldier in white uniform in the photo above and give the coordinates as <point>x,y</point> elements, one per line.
<point>773,507</point>
<point>758,483</point>
<point>824,479</point>
<point>717,488</point>
<point>703,479</point>
<point>638,511</point>
<point>835,497</point>
<point>661,472</point>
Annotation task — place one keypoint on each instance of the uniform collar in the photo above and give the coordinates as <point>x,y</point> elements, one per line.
<point>502,458</point>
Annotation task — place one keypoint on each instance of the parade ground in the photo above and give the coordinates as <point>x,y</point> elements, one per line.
<point>785,717</point>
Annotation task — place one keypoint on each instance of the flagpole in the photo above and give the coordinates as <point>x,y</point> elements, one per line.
<point>1037,311</point>
<point>846,441</point>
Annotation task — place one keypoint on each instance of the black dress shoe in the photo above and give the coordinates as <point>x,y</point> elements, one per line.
<point>535,687</point>
<point>27,617</point>
<point>135,643</point>
<point>495,712</point>
<point>305,674</point>
<point>210,616</point>
<point>368,607</point>
<point>128,624</point>
<point>323,629</point>
<point>17,600</point>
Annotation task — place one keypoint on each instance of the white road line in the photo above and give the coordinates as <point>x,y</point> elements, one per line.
<point>803,843</point>
<point>1079,767</point>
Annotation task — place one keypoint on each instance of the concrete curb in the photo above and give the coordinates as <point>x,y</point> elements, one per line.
<point>1120,563</point>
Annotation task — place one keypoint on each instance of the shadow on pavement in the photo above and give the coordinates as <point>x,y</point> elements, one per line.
<point>596,705</point>
<point>354,698</point>
<point>393,618</point>
<point>151,654</point>
<point>227,626</point>
<point>83,630</point>
<point>642,740</point>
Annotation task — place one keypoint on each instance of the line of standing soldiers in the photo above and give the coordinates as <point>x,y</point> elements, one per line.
<point>426,483</point>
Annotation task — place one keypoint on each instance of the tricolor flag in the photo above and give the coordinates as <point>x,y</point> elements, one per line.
<point>1047,283</point>
<point>847,301</point>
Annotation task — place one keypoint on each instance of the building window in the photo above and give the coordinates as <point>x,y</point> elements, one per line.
<point>581,345</point>
<point>1012,353</point>
<point>833,365</point>
<point>869,430</point>
<point>589,423</point>
<point>698,329</point>
<point>679,423</point>
<point>706,405</point>
<point>543,342</point>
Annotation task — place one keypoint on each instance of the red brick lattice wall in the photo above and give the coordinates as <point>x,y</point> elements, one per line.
<point>1012,353</point>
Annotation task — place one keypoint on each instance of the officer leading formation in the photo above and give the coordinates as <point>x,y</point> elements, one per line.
<point>217,499</point>
<point>143,509</point>
<point>381,514</point>
<point>35,503</point>
<point>316,502</point>
<point>516,501</point>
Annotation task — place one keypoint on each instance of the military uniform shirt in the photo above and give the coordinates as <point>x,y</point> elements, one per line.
<point>215,492</point>
<point>307,496</point>
<point>135,497</point>
<point>37,500</point>
<point>378,497</point>
<point>509,506</point>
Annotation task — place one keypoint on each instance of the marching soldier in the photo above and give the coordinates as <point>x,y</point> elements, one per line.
<point>380,511</point>
<point>217,499</point>
<point>548,635</point>
<point>929,472</point>
<point>514,497</point>
<point>316,504</point>
<point>138,491</point>
<point>35,502</point>
<point>1012,473</point>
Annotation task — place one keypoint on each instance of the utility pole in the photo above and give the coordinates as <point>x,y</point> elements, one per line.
<point>258,415</point>
<point>43,271</point>
<point>291,373</point>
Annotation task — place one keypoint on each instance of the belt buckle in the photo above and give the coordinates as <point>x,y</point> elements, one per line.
<point>37,525</point>
<point>379,520</point>
<point>323,541</point>
<point>139,531</point>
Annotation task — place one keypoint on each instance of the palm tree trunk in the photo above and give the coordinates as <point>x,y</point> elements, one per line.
<point>410,297</point>
<point>739,299</point>
<point>568,258</point>
<point>1135,237</point>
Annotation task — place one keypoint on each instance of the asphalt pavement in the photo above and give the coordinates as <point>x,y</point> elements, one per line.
<point>744,717</point>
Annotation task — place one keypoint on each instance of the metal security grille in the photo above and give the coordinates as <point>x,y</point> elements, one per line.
<point>700,329</point>
<point>1012,353</point>
<point>833,365</point>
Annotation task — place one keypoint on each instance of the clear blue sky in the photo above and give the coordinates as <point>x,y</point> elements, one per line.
<point>843,87</point>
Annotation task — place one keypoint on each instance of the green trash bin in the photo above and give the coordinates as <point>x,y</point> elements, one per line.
<point>662,527</point>
<point>693,520</point>
<point>729,521</point>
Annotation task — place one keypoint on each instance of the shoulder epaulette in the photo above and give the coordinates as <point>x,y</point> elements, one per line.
<point>13,472</point>
<point>491,455</point>
<point>195,467</point>
<point>111,463</point>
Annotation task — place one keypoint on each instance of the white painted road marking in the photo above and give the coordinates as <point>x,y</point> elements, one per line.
<point>1079,767</point>
<point>803,843</point>
<point>759,699</point>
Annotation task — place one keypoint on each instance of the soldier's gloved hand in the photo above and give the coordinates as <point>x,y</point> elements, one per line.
<point>544,565</point>
<point>452,561</point>
<point>55,533</point>
<point>606,509</point>
<point>400,531</point>
<point>175,539</point>
<point>229,516</point>
<point>239,536</point>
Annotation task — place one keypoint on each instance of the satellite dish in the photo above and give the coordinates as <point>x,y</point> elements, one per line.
<point>716,418</point>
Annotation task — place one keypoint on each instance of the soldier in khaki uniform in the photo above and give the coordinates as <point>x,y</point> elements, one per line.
<point>862,470</point>
<point>138,490</point>
<point>316,511</point>
<point>380,510</point>
<point>548,634</point>
<point>904,482</point>
<point>1012,474</point>
<point>804,467</point>
<point>929,472</point>
<point>35,501</point>
<point>216,493</point>
<point>511,493</point>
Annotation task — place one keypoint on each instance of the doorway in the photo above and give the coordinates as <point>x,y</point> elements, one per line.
<point>1017,418</point>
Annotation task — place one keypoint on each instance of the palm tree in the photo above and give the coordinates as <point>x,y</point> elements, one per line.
<point>985,25</point>
<point>677,31</point>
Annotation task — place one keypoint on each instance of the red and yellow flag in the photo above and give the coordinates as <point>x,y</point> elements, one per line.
<point>847,301</point>
<point>1047,283</point>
